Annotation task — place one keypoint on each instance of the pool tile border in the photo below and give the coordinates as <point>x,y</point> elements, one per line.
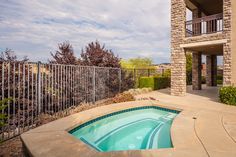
<point>119,112</point>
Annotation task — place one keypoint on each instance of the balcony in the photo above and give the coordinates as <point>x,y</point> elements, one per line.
<point>205,25</point>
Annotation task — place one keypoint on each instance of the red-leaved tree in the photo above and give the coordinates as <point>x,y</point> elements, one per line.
<point>96,54</point>
<point>64,54</point>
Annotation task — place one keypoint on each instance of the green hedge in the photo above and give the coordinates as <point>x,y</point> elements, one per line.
<point>219,82</point>
<point>155,83</point>
<point>219,79</point>
<point>146,82</point>
<point>228,95</point>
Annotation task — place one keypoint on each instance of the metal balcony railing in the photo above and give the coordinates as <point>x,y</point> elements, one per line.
<point>204,25</point>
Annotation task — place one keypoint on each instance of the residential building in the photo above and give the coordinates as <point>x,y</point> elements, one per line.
<point>211,32</point>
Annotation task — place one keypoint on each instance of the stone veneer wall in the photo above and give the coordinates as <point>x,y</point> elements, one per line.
<point>205,37</point>
<point>227,58</point>
<point>197,71</point>
<point>233,40</point>
<point>178,16</point>
<point>211,66</point>
<point>178,59</point>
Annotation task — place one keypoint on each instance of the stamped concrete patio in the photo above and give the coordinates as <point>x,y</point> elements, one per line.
<point>204,128</point>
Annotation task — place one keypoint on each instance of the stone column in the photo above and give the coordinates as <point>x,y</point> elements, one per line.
<point>211,67</point>
<point>227,63</point>
<point>233,46</point>
<point>197,71</point>
<point>197,56</point>
<point>228,52</point>
<point>178,59</point>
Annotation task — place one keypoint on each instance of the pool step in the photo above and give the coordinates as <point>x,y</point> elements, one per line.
<point>119,128</point>
<point>152,141</point>
<point>90,144</point>
<point>166,118</point>
<point>153,136</point>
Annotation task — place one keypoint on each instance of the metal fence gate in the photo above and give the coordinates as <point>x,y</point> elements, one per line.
<point>37,88</point>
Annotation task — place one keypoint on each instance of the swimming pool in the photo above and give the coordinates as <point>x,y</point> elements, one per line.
<point>132,129</point>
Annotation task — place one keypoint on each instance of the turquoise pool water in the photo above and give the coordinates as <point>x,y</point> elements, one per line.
<point>133,129</point>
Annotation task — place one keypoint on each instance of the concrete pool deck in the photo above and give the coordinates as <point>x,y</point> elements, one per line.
<point>205,128</point>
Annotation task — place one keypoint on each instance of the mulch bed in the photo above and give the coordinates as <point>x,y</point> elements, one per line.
<point>13,147</point>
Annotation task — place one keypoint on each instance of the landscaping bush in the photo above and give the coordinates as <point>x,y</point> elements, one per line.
<point>189,60</point>
<point>219,79</point>
<point>189,77</point>
<point>161,82</point>
<point>219,82</point>
<point>167,73</point>
<point>123,97</point>
<point>228,95</point>
<point>3,106</point>
<point>146,82</point>
<point>154,82</point>
<point>138,91</point>
<point>203,80</point>
<point>2,116</point>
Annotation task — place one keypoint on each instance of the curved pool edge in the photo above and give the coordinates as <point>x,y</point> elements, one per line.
<point>164,120</point>
<point>53,139</point>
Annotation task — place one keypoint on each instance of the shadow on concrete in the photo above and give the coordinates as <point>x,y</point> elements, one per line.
<point>209,92</point>
<point>165,91</point>
<point>212,93</point>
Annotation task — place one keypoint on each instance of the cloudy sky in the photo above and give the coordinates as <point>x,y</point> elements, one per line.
<point>131,28</point>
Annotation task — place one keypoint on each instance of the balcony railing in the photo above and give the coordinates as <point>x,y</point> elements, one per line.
<point>204,25</point>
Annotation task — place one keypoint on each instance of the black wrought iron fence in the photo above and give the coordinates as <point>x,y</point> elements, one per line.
<point>37,88</point>
<point>137,73</point>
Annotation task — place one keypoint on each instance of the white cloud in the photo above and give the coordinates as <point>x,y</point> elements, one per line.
<point>130,28</point>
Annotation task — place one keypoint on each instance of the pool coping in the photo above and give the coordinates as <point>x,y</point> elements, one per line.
<point>53,139</point>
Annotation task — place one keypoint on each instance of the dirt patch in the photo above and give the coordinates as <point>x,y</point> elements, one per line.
<point>12,147</point>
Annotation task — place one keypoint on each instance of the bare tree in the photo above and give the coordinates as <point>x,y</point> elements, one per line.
<point>9,55</point>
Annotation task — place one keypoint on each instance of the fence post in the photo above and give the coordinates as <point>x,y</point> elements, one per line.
<point>94,84</point>
<point>39,86</point>
<point>119,80</point>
